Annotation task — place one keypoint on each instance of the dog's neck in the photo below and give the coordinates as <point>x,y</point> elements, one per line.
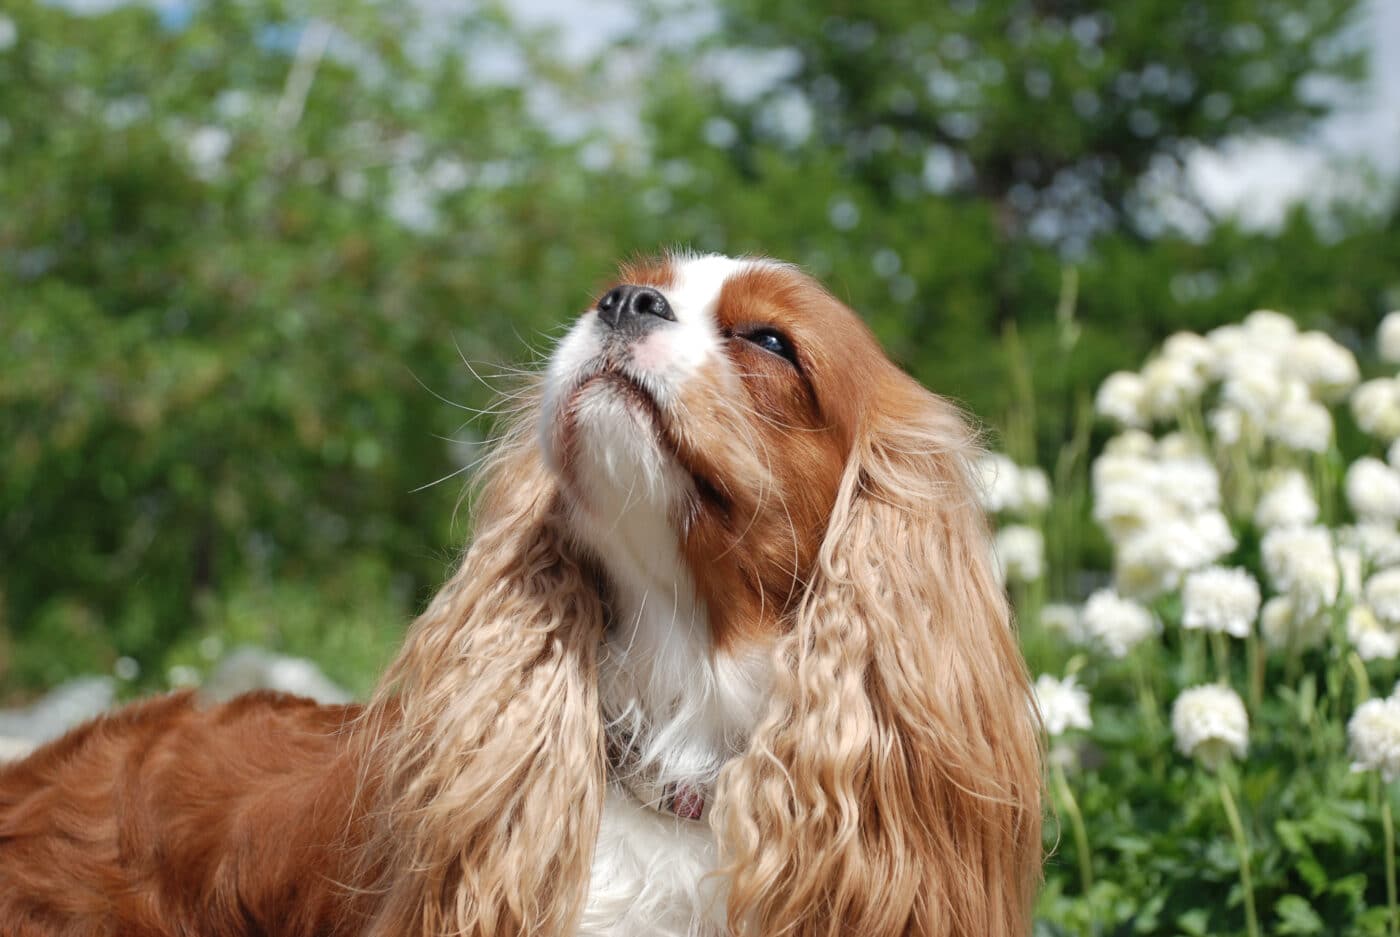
<point>675,709</point>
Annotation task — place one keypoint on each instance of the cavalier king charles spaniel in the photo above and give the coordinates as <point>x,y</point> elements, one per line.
<point>727,656</point>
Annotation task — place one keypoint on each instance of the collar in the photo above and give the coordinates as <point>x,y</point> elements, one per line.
<point>688,800</point>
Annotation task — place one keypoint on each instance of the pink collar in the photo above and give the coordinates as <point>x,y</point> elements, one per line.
<point>686,799</point>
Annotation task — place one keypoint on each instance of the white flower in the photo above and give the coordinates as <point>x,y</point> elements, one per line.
<point>1192,349</point>
<point>1383,595</point>
<point>1159,504</point>
<point>1372,640</point>
<point>999,483</point>
<point>1374,733</point>
<point>1122,397</point>
<point>1210,724</point>
<point>1179,445</point>
<point>1063,704</point>
<point>1132,442</point>
<point>1154,559</point>
<point>1327,368</point>
<point>1388,336</point>
<point>1301,562</point>
<point>1227,423</point>
<point>1373,490</point>
<point>1125,492</point>
<point>9,34</point>
<point>1221,599</point>
<point>1172,384</point>
<point>1253,386</point>
<point>1303,425</point>
<point>1227,341</point>
<point>1378,543</point>
<point>1020,553</point>
<point>1117,623</point>
<point>207,148</point>
<point>1376,406</point>
<point>1283,629</point>
<point>1062,618</point>
<point>1271,330</point>
<point>1190,482</point>
<point>1287,502</point>
<point>1035,489</point>
<point>1213,537</point>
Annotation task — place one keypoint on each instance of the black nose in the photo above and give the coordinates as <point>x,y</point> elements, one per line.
<point>634,307</point>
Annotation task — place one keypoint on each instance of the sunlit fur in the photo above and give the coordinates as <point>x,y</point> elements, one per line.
<point>486,730</point>
<point>770,579</point>
<point>893,786</point>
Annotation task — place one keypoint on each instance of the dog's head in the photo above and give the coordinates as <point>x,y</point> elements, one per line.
<point>728,429</point>
<point>734,418</point>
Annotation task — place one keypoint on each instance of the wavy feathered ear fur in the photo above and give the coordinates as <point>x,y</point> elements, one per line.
<point>487,734</point>
<point>893,790</point>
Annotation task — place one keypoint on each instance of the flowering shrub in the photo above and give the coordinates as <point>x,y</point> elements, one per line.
<point>1221,759</point>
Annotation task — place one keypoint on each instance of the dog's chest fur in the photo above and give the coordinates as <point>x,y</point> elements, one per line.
<point>651,875</point>
<point>687,710</point>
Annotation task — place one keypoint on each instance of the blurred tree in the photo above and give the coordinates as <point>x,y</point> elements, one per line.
<point>943,165</point>
<point>239,251</point>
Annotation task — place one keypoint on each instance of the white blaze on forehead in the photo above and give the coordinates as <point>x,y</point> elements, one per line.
<point>677,353</point>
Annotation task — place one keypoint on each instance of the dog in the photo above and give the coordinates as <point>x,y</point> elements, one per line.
<point>727,655</point>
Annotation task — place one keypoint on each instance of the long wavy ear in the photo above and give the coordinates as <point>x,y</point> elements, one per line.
<point>894,787</point>
<point>487,735</point>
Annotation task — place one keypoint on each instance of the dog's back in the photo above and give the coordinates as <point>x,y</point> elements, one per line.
<point>165,818</point>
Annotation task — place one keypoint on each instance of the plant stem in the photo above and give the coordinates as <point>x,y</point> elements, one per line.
<point>1076,823</point>
<point>1232,814</point>
<point>1363,682</point>
<point>1256,670</point>
<point>1221,645</point>
<point>1388,825</point>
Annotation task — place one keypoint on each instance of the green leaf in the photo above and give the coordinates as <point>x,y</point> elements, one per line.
<point>1296,916</point>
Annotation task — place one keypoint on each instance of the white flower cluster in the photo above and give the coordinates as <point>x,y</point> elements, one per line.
<point>1383,595</point>
<point>1210,724</point>
<point>1372,639</point>
<point>1388,337</point>
<point>1267,393</point>
<point>1373,491</point>
<point>1008,488</point>
<point>1376,406</point>
<point>1221,599</point>
<point>1020,553</point>
<point>1063,704</point>
<point>1287,502</point>
<point>1374,736</point>
<point>1014,490</point>
<point>1274,383</point>
<point>1159,504</point>
<point>1115,623</point>
<point>1302,564</point>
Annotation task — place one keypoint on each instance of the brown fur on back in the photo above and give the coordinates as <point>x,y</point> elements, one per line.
<point>165,818</point>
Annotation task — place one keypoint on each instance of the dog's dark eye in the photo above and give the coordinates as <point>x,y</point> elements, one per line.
<point>773,342</point>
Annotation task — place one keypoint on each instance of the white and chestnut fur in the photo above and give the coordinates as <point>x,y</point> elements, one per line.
<point>729,550</point>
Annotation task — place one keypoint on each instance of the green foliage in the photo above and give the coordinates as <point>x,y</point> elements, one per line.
<point>1161,851</point>
<point>230,369</point>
